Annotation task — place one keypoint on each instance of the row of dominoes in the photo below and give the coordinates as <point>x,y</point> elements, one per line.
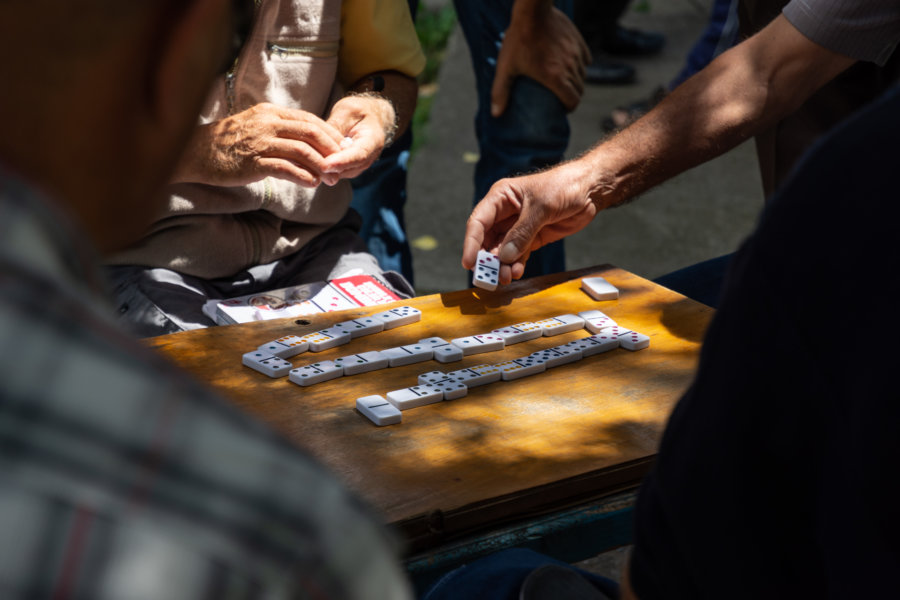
<point>271,358</point>
<point>267,360</point>
<point>436,386</point>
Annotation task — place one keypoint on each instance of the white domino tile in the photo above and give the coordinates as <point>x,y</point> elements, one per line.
<point>520,332</point>
<point>408,355</point>
<point>378,410</point>
<point>608,339</point>
<point>416,396</point>
<point>325,370</point>
<point>521,367</point>
<point>361,326</point>
<point>560,324</point>
<point>595,321</point>
<point>632,340</point>
<point>362,363</point>
<point>555,357</point>
<point>267,364</point>
<point>327,338</point>
<point>589,346</point>
<point>476,344</point>
<point>599,288</point>
<point>475,376</point>
<point>452,389</point>
<point>447,354</point>
<point>432,377</point>
<point>286,347</point>
<point>402,315</point>
<point>486,273</point>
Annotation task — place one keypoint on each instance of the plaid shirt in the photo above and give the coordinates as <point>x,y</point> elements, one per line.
<point>122,478</point>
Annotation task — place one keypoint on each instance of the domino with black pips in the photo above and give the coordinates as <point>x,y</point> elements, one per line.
<point>378,410</point>
<point>361,326</point>
<point>362,362</point>
<point>408,355</point>
<point>265,363</point>
<point>521,367</point>
<point>325,370</point>
<point>402,315</point>
<point>416,396</point>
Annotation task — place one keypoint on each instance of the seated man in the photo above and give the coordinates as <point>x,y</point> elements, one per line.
<point>121,477</point>
<point>773,477</point>
<point>248,211</point>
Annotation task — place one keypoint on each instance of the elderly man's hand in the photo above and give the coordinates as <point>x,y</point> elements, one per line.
<point>521,214</point>
<point>543,44</point>
<point>365,121</point>
<point>262,141</point>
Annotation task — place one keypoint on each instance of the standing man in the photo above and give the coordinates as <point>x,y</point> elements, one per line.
<point>529,62</point>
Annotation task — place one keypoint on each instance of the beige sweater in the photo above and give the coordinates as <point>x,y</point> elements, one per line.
<point>291,59</point>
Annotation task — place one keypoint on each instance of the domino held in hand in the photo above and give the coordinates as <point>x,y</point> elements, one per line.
<point>486,273</point>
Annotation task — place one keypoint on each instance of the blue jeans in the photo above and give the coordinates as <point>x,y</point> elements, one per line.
<point>531,134</point>
<point>720,34</point>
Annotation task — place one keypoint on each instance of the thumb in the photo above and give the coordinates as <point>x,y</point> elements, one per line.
<point>503,80</point>
<point>519,239</point>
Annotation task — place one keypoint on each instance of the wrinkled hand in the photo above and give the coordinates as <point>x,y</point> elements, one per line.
<point>521,214</point>
<point>264,140</point>
<point>549,50</point>
<point>366,121</point>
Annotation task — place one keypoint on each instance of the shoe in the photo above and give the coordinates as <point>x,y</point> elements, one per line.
<point>631,42</point>
<point>623,116</point>
<point>601,72</point>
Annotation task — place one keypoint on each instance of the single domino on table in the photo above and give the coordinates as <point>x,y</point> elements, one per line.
<point>560,324</point>
<point>444,351</point>
<point>599,288</point>
<point>632,340</point>
<point>486,273</point>
<point>378,410</point>
<point>408,355</point>
<point>316,373</point>
<point>327,338</point>
<point>521,367</point>
<point>362,363</point>
<point>286,347</point>
<point>360,327</point>
<point>595,321</point>
<point>416,396</point>
<point>476,344</point>
<point>402,315</point>
<point>520,332</point>
<point>267,364</point>
<point>475,376</point>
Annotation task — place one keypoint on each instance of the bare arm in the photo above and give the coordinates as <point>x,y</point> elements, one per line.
<point>741,93</point>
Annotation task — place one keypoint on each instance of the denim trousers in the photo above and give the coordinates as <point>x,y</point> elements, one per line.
<point>531,134</point>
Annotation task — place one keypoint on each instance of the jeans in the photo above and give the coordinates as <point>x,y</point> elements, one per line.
<point>531,134</point>
<point>720,34</point>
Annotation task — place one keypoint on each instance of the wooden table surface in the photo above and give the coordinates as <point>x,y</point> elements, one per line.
<point>508,449</point>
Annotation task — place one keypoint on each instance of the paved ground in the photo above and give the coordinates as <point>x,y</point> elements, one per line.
<point>702,214</point>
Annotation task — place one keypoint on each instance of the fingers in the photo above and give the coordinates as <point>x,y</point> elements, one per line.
<point>504,76</point>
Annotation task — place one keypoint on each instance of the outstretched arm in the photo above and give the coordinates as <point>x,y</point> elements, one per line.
<point>741,93</point>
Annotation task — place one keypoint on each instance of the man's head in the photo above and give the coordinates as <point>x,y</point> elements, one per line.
<point>99,97</point>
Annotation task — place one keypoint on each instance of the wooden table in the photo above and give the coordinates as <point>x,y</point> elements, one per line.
<point>506,451</point>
